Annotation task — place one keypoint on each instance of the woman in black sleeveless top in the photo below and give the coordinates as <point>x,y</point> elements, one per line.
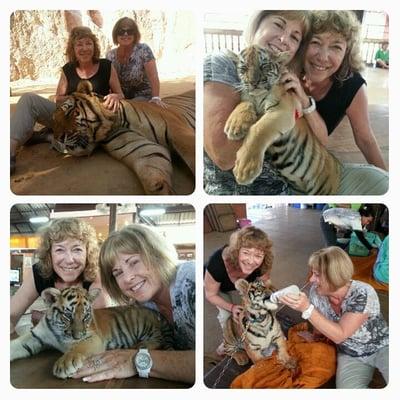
<point>84,62</point>
<point>332,87</point>
<point>67,256</point>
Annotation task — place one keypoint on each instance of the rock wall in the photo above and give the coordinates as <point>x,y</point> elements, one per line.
<point>38,39</point>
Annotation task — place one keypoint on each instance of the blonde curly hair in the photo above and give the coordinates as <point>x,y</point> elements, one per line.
<point>250,237</point>
<point>77,33</point>
<point>68,228</point>
<point>346,24</point>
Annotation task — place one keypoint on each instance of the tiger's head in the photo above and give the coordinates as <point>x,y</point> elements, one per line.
<point>81,122</point>
<point>258,68</point>
<point>70,311</point>
<point>255,296</point>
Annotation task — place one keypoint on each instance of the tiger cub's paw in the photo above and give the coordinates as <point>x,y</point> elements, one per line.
<point>248,166</point>
<point>240,357</point>
<point>292,365</point>
<point>236,128</point>
<point>68,365</point>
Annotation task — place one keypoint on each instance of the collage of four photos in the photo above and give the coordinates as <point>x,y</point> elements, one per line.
<point>143,212</point>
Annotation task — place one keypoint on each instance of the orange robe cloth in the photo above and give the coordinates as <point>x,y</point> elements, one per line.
<point>316,365</point>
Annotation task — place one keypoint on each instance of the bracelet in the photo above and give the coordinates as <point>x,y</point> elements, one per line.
<point>156,98</point>
<point>311,107</point>
<point>306,314</point>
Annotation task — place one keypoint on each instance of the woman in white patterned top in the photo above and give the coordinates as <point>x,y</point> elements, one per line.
<point>348,313</point>
<point>138,266</point>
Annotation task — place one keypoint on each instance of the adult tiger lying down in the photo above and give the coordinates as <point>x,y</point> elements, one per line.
<point>142,135</point>
<point>72,327</point>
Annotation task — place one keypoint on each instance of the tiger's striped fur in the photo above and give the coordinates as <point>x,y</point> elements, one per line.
<point>72,327</point>
<point>140,134</point>
<point>267,119</point>
<point>258,332</point>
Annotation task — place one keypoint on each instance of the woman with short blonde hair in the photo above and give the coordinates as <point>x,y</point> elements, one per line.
<point>348,313</point>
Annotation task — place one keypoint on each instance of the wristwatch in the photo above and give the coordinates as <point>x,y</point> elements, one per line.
<point>311,107</point>
<point>143,363</point>
<point>306,314</point>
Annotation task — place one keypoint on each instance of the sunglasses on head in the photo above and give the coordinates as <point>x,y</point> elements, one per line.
<point>122,32</point>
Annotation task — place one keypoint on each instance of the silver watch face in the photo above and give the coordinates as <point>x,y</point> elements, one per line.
<point>143,361</point>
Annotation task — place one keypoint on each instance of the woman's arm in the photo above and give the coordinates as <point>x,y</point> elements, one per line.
<point>335,331</point>
<point>211,289</point>
<point>22,299</point>
<point>152,74</point>
<point>151,71</point>
<point>170,365</point>
<point>291,82</point>
<point>61,88</point>
<point>111,101</point>
<point>219,101</point>
<point>362,131</point>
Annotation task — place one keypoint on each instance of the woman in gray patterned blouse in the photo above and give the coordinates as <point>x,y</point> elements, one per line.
<point>138,265</point>
<point>135,63</point>
<point>348,313</point>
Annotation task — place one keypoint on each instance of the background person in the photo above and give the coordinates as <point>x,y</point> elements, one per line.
<point>137,265</point>
<point>382,56</point>
<point>134,63</point>
<point>68,256</point>
<point>348,313</point>
<point>84,62</point>
<point>248,256</point>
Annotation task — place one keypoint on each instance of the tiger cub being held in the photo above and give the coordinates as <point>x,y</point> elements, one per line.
<point>269,119</point>
<point>258,332</point>
<point>72,327</point>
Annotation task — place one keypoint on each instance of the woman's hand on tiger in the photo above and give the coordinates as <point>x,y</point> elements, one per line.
<point>159,102</point>
<point>236,312</point>
<point>111,102</point>
<point>291,82</point>
<point>108,365</point>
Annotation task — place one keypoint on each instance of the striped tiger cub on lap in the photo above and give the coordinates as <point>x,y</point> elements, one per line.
<point>72,327</point>
<point>140,134</point>
<point>258,333</point>
<point>267,119</point>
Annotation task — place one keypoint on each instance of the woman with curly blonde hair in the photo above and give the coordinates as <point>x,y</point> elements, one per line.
<point>67,256</point>
<point>332,87</point>
<point>248,256</point>
<point>84,63</point>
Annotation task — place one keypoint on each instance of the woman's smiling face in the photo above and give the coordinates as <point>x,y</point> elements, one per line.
<point>279,34</point>
<point>136,280</point>
<point>324,56</point>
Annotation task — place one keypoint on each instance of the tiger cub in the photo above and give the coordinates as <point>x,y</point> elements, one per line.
<point>258,332</point>
<point>267,119</point>
<point>72,327</point>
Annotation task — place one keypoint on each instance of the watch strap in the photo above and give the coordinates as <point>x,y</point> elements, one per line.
<point>306,314</point>
<point>312,107</point>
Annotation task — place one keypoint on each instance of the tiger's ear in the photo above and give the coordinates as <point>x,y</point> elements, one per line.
<point>93,293</point>
<point>241,286</point>
<point>85,86</point>
<point>50,295</point>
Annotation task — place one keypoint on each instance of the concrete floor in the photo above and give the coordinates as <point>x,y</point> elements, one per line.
<point>295,234</point>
